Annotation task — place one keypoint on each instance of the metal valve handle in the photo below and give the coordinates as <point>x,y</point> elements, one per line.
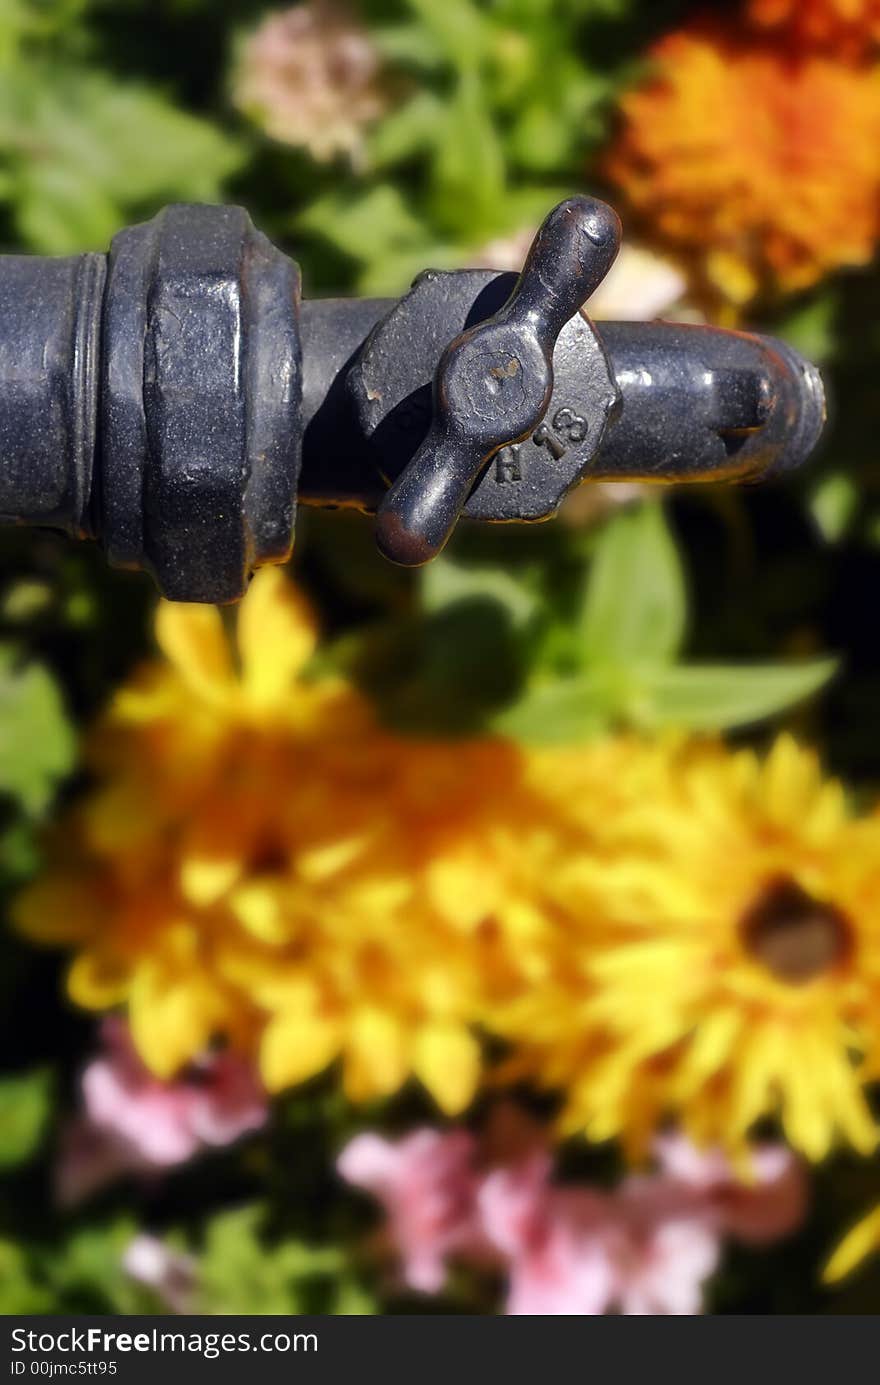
<point>495,380</point>
<point>175,400</point>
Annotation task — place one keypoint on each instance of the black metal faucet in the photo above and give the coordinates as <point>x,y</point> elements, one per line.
<point>174,399</point>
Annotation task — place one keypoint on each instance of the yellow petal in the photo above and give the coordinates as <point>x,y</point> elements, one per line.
<point>172,1019</point>
<point>58,909</point>
<point>791,777</point>
<point>461,889</point>
<point>257,906</point>
<point>176,1006</point>
<point>217,841</point>
<point>804,1114</point>
<point>713,1042</point>
<point>732,276</point>
<point>98,981</point>
<point>330,858</point>
<point>863,1240</point>
<point>276,636</point>
<point>378,896</point>
<point>295,1047</point>
<point>192,638</point>
<point>206,879</point>
<point>122,814</point>
<point>446,1058</point>
<point>375,1055</point>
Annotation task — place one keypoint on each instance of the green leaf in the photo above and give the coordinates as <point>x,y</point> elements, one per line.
<point>833,505</point>
<point>367,226</point>
<point>19,850</point>
<point>80,1274</point>
<point>685,697</point>
<point>86,1271</point>
<point>567,710</point>
<point>810,328</point>
<point>719,698</point>
<point>469,169</point>
<point>445,583</point>
<point>25,600</point>
<point>242,1271</point>
<point>416,126</point>
<point>457,28</point>
<point>37,744</point>
<point>20,1292</point>
<point>391,271</point>
<point>552,123</point>
<point>25,1102</point>
<point>409,45</point>
<point>82,150</point>
<point>635,608</point>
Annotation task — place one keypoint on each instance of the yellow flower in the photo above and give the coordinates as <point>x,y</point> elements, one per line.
<point>862,1241</point>
<point>760,164</point>
<point>725,963</point>
<point>656,927</point>
<point>260,861</point>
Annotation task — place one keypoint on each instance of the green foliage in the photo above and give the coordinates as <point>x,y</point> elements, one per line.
<point>833,505</point>
<point>497,114</point>
<point>444,584</point>
<point>810,326</point>
<point>82,152</point>
<point>88,154</point>
<point>635,605</point>
<point>240,1271</point>
<point>20,1291</point>
<point>25,1101</point>
<point>86,1275</point>
<point>628,634</point>
<point>547,660</point>
<point>37,745</point>
<point>724,697</point>
<point>80,1274</point>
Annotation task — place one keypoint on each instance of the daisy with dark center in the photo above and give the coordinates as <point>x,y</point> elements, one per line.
<point>797,938</point>
<point>728,966</point>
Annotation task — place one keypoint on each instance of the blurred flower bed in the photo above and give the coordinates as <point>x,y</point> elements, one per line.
<point>503,937</point>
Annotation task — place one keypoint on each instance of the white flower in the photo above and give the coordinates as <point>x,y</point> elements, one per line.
<point>310,77</point>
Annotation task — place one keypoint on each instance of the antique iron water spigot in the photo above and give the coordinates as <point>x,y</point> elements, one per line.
<point>174,399</point>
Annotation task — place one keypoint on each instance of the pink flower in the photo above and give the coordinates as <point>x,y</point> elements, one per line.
<point>552,1240</point>
<point>572,1251</point>
<point>663,1245</point>
<point>212,1103</point>
<point>647,1247</point>
<point>427,1185</point>
<point>310,76</point>
<point>767,1207</point>
<point>169,1273</point>
<point>133,1123</point>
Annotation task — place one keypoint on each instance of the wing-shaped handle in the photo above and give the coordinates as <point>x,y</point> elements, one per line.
<point>494,381</point>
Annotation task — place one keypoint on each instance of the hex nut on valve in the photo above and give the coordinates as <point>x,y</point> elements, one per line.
<point>201,399</point>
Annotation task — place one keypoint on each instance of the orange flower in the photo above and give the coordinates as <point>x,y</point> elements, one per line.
<point>851,26</point>
<point>762,166</point>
